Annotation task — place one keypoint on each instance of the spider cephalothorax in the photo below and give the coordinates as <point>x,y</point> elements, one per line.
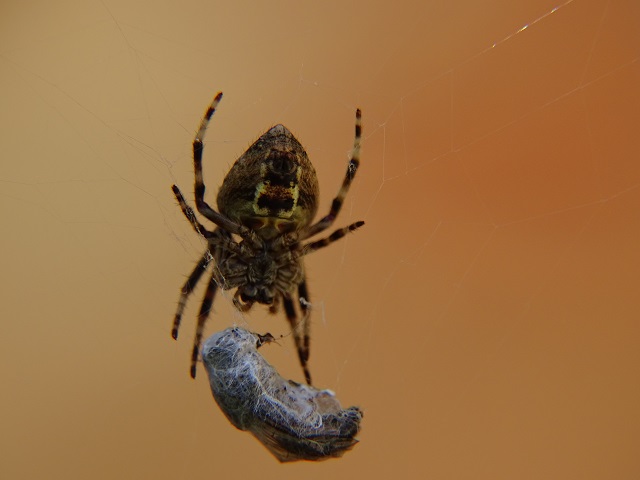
<point>261,270</point>
<point>268,199</point>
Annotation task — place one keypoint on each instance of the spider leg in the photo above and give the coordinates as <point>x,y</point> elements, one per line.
<point>186,290</point>
<point>205,309</point>
<point>326,221</point>
<point>190,214</point>
<point>202,206</point>
<point>336,235</point>
<point>305,301</point>
<point>298,337</point>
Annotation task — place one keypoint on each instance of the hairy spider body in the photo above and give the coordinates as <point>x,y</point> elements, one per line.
<point>268,199</point>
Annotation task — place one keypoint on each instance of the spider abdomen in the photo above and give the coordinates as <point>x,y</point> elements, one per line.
<point>272,188</point>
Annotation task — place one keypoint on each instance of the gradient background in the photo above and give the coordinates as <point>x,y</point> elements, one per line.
<point>486,317</point>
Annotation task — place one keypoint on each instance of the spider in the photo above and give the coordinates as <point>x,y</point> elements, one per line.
<point>266,205</point>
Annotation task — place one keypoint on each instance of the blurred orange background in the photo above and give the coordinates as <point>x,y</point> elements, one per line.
<point>485,317</point>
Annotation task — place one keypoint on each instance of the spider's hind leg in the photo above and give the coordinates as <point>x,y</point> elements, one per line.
<point>300,328</point>
<point>336,205</point>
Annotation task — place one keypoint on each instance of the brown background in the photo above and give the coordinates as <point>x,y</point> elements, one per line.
<point>486,317</point>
